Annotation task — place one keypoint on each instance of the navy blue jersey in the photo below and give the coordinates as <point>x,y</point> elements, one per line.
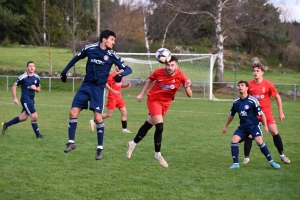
<point>98,64</point>
<point>248,110</point>
<point>26,81</point>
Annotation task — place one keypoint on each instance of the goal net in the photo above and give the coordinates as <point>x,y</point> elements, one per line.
<point>197,67</point>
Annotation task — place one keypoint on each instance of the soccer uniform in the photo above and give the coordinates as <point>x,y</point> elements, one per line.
<point>27,96</point>
<point>114,100</point>
<point>263,93</point>
<point>164,89</point>
<point>98,67</point>
<point>248,110</point>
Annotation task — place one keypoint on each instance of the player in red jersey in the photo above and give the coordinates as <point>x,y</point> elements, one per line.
<point>115,100</point>
<point>263,90</point>
<point>164,83</point>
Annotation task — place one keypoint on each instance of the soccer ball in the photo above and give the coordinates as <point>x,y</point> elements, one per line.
<point>163,55</point>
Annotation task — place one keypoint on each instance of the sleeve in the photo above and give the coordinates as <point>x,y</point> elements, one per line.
<point>232,110</point>
<point>183,78</point>
<point>38,82</point>
<point>273,91</point>
<point>153,76</point>
<point>120,63</point>
<point>18,81</point>
<point>81,55</point>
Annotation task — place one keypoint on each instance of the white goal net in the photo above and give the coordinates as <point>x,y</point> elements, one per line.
<point>197,67</point>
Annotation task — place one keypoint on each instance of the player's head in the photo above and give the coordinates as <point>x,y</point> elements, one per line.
<point>30,67</point>
<point>243,86</point>
<point>258,70</point>
<point>107,39</point>
<point>172,66</point>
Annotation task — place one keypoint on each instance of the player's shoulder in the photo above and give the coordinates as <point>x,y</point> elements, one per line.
<point>235,101</point>
<point>91,46</point>
<point>253,100</point>
<point>267,82</point>
<point>36,75</point>
<point>22,76</point>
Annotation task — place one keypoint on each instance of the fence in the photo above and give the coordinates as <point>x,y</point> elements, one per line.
<point>226,90</point>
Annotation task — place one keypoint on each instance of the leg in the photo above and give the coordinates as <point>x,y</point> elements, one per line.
<point>278,142</point>
<point>74,112</point>
<point>247,149</point>
<point>124,120</point>
<point>139,136</point>
<point>34,124</point>
<point>157,144</point>
<point>264,150</point>
<point>235,151</point>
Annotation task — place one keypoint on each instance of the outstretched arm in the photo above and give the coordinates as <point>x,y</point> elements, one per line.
<point>146,87</point>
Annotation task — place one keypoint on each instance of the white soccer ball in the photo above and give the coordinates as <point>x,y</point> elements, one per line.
<point>163,55</point>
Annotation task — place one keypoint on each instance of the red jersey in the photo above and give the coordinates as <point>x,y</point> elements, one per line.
<point>115,86</point>
<point>263,93</point>
<point>165,86</point>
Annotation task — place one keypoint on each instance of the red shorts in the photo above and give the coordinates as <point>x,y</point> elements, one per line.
<point>269,117</point>
<point>157,107</point>
<point>113,103</point>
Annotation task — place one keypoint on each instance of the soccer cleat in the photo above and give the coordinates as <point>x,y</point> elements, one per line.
<point>162,161</point>
<point>130,150</point>
<point>246,160</point>
<point>285,159</point>
<point>70,147</point>
<point>4,128</point>
<point>99,154</point>
<point>92,124</point>
<point>126,131</point>
<point>275,165</point>
<point>234,166</point>
<point>40,136</point>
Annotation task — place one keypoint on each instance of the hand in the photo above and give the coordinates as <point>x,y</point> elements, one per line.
<point>63,77</point>
<point>140,97</point>
<point>224,130</point>
<point>118,78</point>
<point>266,129</point>
<point>188,83</point>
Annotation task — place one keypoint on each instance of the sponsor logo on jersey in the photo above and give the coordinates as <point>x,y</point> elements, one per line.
<point>166,86</point>
<point>243,113</point>
<point>98,62</point>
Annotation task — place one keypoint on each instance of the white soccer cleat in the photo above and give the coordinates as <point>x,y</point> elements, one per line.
<point>285,159</point>
<point>92,124</point>
<point>126,131</point>
<point>161,161</point>
<point>246,160</point>
<point>130,150</point>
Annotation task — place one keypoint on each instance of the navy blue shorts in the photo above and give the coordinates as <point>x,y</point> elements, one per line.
<point>243,132</point>
<point>89,93</point>
<point>28,107</point>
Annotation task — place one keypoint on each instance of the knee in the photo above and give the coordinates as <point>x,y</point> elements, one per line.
<point>159,128</point>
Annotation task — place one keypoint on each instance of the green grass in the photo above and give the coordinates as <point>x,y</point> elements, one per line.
<point>193,145</point>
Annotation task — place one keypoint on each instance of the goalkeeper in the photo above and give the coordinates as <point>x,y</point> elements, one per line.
<point>99,63</point>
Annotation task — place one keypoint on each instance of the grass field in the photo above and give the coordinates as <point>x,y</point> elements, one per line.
<point>193,145</point>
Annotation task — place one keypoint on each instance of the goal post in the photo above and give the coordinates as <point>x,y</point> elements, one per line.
<point>197,67</point>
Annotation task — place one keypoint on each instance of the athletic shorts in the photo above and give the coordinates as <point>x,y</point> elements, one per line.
<point>113,103</point>
<point>28,107</point>
<point>89,93</point>
<point>269,117</point>
<point>157,107</point>
<point>243,132</point>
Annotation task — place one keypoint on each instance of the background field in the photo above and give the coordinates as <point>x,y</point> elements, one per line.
<point>193,145</point>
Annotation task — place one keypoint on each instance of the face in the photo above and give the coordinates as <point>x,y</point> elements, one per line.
<point>171,68</point>
<point>31,68</point>
<point>257,73</point>
<point>242,88</point>
<point>109,42</point>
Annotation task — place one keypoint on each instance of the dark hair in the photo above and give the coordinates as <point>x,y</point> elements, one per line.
<point>106,33</point>
<point>241,81</point>
<point>173,58</point>
<point>29,63</point>
<point>259,66</point>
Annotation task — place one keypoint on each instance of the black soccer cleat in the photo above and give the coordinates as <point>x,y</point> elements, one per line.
<point>99,154</point>
<point>70,147</point>
<point>40,136</point>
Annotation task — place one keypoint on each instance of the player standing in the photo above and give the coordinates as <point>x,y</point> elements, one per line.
<point>115,100</point>
<point>166,82</point>
<point>30,83</point>
<point>100,59</point>
<point>263,90</point>
<point>248,109</point>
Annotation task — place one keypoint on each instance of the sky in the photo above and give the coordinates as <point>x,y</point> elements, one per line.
<point>291,6</point>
